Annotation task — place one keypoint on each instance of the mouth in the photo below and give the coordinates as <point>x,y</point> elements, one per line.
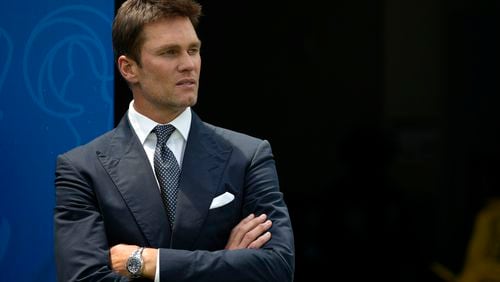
<point>186,82</point>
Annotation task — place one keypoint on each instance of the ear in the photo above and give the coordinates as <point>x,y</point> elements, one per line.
<point>128,68</point>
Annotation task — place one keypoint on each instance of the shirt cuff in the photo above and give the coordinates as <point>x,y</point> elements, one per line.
<point>157,273</point>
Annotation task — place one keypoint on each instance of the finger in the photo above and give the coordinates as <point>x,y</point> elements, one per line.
<point>235,229</point>
<point>244,222</point>
<point>253,234</point>
<point>243,228</point>
<point>264,238</point>
<point>248,218</point>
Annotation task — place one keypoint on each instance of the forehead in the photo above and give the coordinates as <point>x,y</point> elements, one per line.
<point>177,30</point>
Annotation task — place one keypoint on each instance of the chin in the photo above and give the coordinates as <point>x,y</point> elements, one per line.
<point>191,101</point>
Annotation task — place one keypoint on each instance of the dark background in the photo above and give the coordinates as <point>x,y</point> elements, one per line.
<point>382,116</point>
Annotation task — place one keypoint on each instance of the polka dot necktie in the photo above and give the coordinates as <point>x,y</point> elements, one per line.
<point>167,169</point>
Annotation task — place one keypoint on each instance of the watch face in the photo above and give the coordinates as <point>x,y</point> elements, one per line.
<point>134,265</point>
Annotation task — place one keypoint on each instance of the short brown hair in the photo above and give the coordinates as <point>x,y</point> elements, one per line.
<point>134,14</point>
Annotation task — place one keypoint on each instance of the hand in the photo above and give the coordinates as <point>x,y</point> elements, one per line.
<point>250,233</point>
<point>120,253</point>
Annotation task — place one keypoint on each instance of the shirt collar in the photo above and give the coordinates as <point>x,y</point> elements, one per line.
<point>143,125</point>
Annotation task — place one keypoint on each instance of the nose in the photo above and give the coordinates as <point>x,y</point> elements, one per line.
<point>187,62</point>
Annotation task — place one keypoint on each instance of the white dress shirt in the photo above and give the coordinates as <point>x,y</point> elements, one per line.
<point>143,126</point>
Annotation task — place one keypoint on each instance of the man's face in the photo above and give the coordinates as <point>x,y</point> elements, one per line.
<point>168,76</point>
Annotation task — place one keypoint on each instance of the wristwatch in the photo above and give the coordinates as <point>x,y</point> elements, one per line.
<point>135,264</point>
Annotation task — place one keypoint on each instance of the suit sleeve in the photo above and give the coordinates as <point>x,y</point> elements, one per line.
<point>81,250</point>
<point>273,262</point>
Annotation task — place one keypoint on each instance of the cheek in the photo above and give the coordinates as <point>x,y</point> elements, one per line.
<point>161,76</point>
<point>158,68</point>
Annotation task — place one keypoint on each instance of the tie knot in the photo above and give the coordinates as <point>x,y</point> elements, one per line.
<point>163,132</point>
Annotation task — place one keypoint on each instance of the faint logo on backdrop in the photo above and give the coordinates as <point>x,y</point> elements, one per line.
<point>66,63</point>
<point>6,48</point>
<point>4,237</point>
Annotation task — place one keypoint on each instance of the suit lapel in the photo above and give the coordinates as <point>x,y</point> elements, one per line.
<point>129,168</point>
<point>202,169</point>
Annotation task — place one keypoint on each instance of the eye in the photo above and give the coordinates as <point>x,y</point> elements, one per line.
<point>193,51</point>
<point>169,52</point>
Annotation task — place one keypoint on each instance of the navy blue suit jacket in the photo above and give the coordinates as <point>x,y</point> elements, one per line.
<point>106,194</point>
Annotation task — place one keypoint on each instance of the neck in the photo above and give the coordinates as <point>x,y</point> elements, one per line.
<point>159,115</point>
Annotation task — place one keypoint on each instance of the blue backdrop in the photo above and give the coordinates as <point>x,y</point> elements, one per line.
<point>56,92</point>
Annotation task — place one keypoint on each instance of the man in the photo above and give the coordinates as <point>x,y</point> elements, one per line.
<point>165,196</point>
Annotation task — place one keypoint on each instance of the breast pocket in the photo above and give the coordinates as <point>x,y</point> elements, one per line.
<point>220,221</point>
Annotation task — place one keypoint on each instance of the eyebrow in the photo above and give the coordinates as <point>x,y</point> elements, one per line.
<point>168,46</point>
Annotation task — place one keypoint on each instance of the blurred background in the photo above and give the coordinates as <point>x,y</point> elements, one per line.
<point>383,118</point>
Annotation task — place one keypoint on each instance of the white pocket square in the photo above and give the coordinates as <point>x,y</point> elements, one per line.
<point>221,200</point>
